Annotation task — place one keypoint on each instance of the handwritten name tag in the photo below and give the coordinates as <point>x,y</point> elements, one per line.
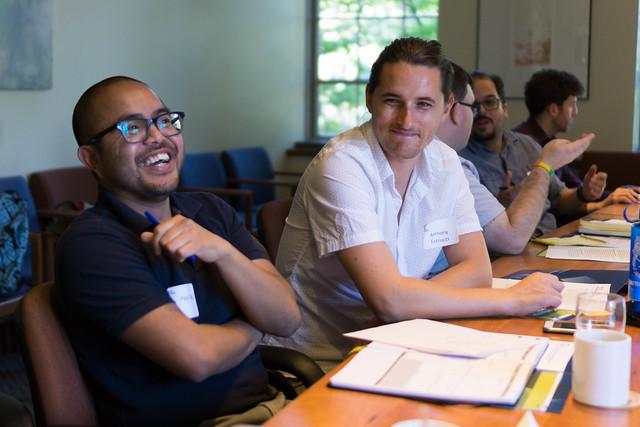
<point>439,233</point>
<point>185,299</point>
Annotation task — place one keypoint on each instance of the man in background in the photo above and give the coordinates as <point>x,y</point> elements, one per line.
<point>551,96</point>
<point>504,158</point>
<point>505,231</point>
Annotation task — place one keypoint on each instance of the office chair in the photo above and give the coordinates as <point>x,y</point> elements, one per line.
<point>58,390</point>
<point>14,413</point>
<point>59,393</point>
<point>270,222</point>
<point>61,194</point>
<point>250,168</point>
<point>203,172</point>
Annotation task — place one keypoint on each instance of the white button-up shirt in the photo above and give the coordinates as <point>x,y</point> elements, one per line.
<point>347,197</point>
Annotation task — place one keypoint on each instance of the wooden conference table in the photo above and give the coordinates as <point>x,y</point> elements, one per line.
<point>322,405</point>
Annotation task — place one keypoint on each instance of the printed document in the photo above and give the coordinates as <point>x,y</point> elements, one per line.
<point>589,253</point>
<point>569,293</point>
<point>388,369</point>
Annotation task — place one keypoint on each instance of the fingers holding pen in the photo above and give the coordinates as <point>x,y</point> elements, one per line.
<point>169,235</point>
<point>183,239</point>
<point>538,291</point>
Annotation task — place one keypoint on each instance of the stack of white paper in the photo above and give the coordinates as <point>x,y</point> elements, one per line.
<point>442,338</point>
<point>434,360</point>
<point>388,369</point>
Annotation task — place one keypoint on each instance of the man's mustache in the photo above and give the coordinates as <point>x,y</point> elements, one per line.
<point>480,117</point>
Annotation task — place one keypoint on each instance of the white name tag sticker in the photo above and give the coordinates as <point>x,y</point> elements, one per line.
<point>439,233</point>
<point>185,299</point>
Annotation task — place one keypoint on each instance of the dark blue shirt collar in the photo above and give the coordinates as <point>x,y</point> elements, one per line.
<point>188,207</point>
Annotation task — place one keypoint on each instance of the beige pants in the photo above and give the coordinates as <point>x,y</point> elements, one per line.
<point>256,415</point>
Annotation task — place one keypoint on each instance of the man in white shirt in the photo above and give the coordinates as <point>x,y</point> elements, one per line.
<point>377,205</point>
<point>505,231</point>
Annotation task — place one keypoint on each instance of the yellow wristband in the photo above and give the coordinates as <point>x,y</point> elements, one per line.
<point>355,349</point>
<point>546,167</point>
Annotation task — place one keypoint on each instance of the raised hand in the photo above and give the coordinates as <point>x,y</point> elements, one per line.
<point>559,152</point>
<point>593,184</point>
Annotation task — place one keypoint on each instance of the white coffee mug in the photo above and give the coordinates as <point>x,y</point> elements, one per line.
<point>601,367</point>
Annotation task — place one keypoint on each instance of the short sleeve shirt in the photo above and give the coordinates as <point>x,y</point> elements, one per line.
<point>107,278</point>
<point>345,198</point>
<point>487,206</point>
<point>519,155</point>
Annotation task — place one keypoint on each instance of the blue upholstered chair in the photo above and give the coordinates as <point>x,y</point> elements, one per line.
<point>204,172</point>
<point>249,168</point>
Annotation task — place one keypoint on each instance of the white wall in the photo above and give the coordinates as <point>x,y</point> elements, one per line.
<point>235,66</point>
<point>609,111</point>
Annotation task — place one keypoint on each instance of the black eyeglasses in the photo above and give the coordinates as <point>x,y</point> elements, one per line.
<point>489,104</point>
<point>137,130</point>
<point>475,108</point>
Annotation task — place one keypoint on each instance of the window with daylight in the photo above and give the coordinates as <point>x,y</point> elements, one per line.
<point>349,35</point>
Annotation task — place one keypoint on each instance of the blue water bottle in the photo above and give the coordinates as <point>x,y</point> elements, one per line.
<point>634,264</point>
<point>633,305</point>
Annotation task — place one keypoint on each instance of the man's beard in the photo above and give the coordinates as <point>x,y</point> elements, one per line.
<point>483,137</point>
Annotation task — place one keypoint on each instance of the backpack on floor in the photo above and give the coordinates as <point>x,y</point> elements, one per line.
<point>14,239</point>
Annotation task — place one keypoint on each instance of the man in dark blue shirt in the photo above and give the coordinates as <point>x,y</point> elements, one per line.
<point>164,295</point>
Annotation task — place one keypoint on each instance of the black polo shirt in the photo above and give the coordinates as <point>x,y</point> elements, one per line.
<point>107,278</point>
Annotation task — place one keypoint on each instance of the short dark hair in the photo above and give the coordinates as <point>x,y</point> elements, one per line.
<point>82,112</point>
<point>497,81</point>
<point>460,81</point>
<point>413,51</point>
<point>546,87</point>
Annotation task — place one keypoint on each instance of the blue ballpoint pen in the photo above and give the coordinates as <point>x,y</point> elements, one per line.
<point>154,221</point>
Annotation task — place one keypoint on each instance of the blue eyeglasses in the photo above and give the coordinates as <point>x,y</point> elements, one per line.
<point>137,130</point>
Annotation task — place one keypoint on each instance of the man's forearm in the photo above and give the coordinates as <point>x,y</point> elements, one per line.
<point>469,273</point>
<point>569,204</point>
<point>510,231</point>
<point>265,296</point>
<point>190,350</point>
<point>527,208</point>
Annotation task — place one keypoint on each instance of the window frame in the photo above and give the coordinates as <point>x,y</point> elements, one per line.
<point>313,81</point>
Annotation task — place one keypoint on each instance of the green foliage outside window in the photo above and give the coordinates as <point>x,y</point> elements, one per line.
<point>350,36</point>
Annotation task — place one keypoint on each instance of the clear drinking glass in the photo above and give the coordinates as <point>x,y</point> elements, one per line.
<point>598,310</point>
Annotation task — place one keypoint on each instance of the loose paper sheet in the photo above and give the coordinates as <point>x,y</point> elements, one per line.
<point>556,357</point>
<point>569,293</point>
<point>589,253</point>
<point>442,338</point>
<point>582,240</point>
